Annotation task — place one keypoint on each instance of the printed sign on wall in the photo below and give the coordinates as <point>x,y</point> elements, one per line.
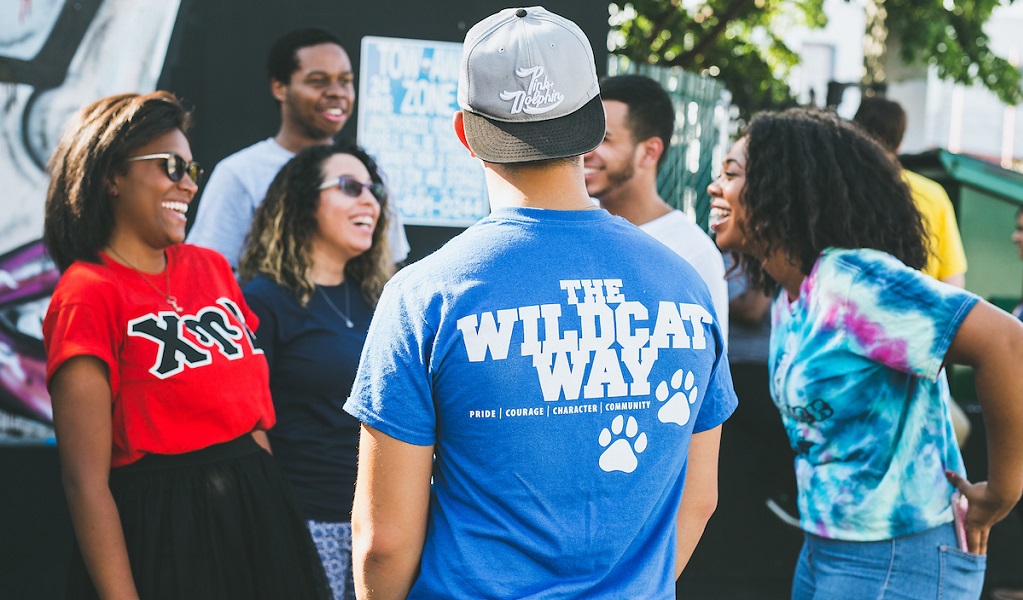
<point>407,95</point>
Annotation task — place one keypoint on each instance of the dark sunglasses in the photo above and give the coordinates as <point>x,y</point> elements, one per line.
<point>351,186</point>
<point>175,166</point>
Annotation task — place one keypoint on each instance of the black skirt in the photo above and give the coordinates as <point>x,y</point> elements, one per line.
<point>218,523</point>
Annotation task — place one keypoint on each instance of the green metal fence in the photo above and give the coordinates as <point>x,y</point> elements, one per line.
<point>702,128</point>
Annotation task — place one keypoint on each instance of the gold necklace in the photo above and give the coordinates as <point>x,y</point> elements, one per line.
<point>167,297</point>
<point>337,311</point>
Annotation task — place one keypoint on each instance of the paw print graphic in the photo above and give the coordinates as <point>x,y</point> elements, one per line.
<point>676,409</point>
<point>621,455</point>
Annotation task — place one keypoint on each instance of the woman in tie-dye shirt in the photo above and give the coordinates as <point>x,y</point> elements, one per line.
<point>858,339</point>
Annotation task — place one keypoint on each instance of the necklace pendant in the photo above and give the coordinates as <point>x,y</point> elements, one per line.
<point>337,311</point>
<point>173,301</point>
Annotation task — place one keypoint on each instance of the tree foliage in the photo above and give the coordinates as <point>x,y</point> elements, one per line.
<point>739,42</point>
<point>949,35</point>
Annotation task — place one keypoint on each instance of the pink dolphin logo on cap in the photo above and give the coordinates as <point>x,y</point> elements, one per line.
<point>538,98</point>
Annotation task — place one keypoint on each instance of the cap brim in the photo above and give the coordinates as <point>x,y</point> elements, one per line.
<point>502,143</point>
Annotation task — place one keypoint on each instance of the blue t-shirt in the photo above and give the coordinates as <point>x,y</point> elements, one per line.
<point>559,361</point>
<point>854,366</point>
<point>313,356</point>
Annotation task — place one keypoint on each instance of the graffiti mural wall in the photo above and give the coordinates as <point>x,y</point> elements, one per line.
<point>55,56</point>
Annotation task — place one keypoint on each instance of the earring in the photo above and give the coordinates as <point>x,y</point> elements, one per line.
<point>113,192</point>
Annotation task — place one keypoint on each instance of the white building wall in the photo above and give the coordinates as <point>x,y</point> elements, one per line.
<point>989,128</point>
<point>843,36</point>
<point>969,120</point>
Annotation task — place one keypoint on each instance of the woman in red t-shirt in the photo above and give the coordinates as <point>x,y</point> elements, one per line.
<point>160,398</point>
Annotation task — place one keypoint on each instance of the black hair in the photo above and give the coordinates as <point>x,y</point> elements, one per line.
<point>651,112</point>
<point>282,60</point>
<point>815,181</point>
<point>882,119</point>
<point>79,214</point>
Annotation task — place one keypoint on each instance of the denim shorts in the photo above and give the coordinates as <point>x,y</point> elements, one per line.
<point>914,567</point>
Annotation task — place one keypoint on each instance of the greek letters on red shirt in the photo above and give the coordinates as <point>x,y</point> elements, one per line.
<point>179,381</point>
<point>190,340</point>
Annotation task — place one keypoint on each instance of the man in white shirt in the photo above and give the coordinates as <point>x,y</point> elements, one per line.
<point>622,174</point>
<point>311,79</point>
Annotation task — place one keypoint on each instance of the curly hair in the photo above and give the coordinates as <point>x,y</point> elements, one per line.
<point>79,214</point>
<point>279,245</point>
<point>814,181</point>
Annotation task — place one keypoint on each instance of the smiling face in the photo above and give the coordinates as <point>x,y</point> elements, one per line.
<point>149,209</point>
<point>727,213</point>
<point>318,99</point>
<point>345,225</point>
<point>611,165</point>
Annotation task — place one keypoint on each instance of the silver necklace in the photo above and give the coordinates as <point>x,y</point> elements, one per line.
<point>167,297</point>
<point>337,311</point>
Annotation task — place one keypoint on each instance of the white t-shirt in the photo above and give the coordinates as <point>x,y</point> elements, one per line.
<point>677,232</point>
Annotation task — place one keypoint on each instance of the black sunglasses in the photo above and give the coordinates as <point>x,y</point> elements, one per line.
<point>351,186</point>
<point>175,166</point>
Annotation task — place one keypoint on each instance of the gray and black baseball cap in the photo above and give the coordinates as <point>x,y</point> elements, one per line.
<point>528,88</point>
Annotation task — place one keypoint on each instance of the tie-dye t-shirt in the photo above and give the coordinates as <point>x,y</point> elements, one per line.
<point>854,362</point>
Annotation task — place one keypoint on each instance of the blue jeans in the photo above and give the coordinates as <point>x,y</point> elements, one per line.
<point>914,567</point>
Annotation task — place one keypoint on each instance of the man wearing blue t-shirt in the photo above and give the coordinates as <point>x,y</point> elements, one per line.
<point>529,393</point>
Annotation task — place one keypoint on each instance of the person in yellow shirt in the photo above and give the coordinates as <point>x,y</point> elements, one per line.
<point>885,120</point>
<point>947,261</point>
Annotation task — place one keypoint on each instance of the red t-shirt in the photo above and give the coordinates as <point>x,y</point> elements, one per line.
<point>180,381</point>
